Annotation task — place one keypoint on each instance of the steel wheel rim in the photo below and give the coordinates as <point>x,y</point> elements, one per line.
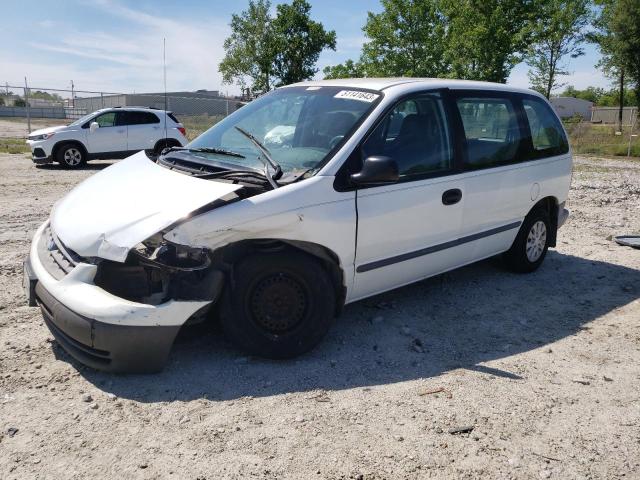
<point>536,241</point>
<point>72,157</point>
<point>278,303</point>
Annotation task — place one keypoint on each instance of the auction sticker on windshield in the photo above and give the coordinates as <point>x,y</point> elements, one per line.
<point>357,95</point>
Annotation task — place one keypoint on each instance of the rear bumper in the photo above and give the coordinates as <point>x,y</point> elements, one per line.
<point>102,330</point>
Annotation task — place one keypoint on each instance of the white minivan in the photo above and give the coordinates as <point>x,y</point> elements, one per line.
<point>313,196</point>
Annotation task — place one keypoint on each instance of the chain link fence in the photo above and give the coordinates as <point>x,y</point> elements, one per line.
<point>605,139</point>
<point>37,107</point>
<point>30,108</point>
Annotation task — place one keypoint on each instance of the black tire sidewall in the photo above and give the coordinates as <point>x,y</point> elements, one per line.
<point>243,331</point>
<point>516,257</point>
<point>162,144</point>
<point>63,149</point>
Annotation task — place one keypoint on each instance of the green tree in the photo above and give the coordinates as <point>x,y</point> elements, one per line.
<point>348,69</point>
<point>487,38</point>
<point>471,39</point>
<point>299,42</point>
<point>263,52</point>
<point>45,96</point>
<point>559,31</point>
<point>250,49</point>
<point>625,25</point>
<point>601,97</point>
<point>616,26</point>
<point>406,39</point>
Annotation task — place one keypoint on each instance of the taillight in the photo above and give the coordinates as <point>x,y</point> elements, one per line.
<point>183,131</point>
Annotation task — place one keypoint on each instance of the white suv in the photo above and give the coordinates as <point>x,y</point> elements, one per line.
<point>107,133</point>
<point>311,197</point>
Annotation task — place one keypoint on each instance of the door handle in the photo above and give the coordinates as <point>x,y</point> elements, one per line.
<point>452,196</point>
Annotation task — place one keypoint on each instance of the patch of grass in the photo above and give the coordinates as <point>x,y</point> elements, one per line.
<point>601,140</point>
<point>13,145</point>
<point>197,124</point>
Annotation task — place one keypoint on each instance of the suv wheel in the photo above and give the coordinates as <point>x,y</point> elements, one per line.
<point>531,245</point>
<point>71,156</point>
<point>279,305</point>
<point>161,145</point>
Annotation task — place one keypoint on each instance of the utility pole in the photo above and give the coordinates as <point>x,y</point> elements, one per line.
<point>26,101</point>
<point>73,98</point>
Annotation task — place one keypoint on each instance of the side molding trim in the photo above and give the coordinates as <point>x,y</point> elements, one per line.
<point>367,267</point>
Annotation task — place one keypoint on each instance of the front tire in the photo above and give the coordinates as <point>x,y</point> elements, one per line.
<point>71,155</point>
<point>531,244</point>
<point>279,305</point>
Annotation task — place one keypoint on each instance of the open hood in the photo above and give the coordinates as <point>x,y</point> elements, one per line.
<point>114,210</point>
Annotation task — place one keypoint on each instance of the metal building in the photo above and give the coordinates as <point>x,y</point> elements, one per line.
<point>609,115</point>
<point>567,107</point>
<point>201,102</point>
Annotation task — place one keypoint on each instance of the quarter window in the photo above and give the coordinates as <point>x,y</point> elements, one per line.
<point>491,130</point>
<point>415,135</point>
<point>141,118</point>
<point>547,135</point>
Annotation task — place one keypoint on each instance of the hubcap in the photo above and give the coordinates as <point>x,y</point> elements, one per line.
<point>278,303</point>
<point>536,241</point>
<point>72,157</point>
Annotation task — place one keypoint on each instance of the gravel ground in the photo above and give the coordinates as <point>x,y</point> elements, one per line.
<point>540,371</point>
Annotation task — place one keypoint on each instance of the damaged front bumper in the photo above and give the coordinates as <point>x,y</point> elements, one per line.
<point>100,329</point>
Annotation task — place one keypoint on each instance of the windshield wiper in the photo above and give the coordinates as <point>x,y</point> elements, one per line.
<point>232,173</point>
<point>277,170</point>
<point>219,151</point>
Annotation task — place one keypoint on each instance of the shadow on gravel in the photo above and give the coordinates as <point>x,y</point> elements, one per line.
<point>457,320</point>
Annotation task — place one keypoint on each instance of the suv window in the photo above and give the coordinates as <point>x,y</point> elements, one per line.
<point>415,135</point>
<point>140,118</point>
<point>491,130</point>
<point>547,135</point>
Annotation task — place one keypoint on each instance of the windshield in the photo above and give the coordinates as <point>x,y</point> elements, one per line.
<point>299,126</point>
<point>81,120</point>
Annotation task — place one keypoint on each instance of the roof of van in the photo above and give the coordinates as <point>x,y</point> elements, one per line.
<point>384,83</point>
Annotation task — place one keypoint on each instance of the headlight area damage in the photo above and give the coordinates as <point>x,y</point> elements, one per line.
<point>157,271</point>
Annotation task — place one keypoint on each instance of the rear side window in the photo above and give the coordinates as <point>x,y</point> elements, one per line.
<point>141,118</point>
<point>491,130</point>
<point>173,117</point>
<point>415,135</point>
<point>547,135</point>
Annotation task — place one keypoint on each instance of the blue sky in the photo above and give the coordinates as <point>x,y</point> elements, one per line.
<point>116,45</point>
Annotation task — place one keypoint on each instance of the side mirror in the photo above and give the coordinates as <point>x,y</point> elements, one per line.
<point>93,126</point>
<point>377,170</point>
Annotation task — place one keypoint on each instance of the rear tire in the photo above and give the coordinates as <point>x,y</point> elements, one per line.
<point>279,305</point>
<point>531,244</point>
<point>71,155</point>
<point>162,144</point>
